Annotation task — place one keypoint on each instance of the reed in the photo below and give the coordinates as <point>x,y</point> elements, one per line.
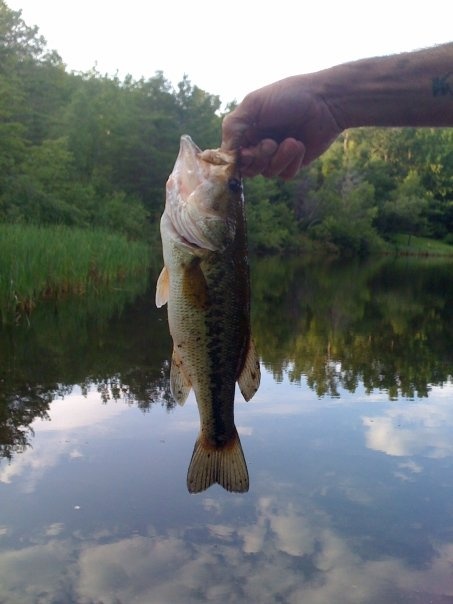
<point>38,262</point>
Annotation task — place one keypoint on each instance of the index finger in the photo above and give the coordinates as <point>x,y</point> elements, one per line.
<point>233,132</point>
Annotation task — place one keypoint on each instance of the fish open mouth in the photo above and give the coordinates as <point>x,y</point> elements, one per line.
<point>200,198</point>
<point>188,167</point>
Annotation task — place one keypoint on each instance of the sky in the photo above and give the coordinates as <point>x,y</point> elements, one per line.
<point>231,48</point>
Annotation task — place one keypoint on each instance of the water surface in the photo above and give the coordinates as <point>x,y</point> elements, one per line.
<point>348,443</point>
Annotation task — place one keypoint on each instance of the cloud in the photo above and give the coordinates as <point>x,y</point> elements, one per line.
<point>282,550</point>
<point>137,569</point>
<point>421,428</point>
<point>32,464</point>
<point>78,411</point>
<point>38,573</point>
<point>286,554</point>
<point>277,547</point>
<point>59,437</point>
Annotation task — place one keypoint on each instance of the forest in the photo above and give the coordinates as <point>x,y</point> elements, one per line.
<point>89,150</point>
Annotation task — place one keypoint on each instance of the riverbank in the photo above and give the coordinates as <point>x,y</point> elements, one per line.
<point>39,262</point>
<point>410,245</point>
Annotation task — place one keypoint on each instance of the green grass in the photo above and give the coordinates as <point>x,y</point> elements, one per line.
<point>38,262</point>
<point>405,244</point>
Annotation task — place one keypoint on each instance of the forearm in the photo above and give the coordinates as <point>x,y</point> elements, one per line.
<point>409,89</point>
<point>291,122</point>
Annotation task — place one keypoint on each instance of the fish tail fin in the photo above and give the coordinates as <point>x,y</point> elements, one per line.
<point>225,465</point>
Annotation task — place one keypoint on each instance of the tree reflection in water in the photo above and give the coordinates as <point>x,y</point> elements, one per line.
<point>116,344</point>
<point>386,324</point>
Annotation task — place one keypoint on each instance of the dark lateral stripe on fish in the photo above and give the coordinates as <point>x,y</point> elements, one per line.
<point>225,466</point>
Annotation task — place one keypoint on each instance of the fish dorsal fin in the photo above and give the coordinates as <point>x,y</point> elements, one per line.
<point>225,465</point>
<point>162,288</point>
<point>180,384</point>
<point>250,376</point>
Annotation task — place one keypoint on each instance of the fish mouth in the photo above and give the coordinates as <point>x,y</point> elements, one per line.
<point>188,168</point>
<point>186,145</point>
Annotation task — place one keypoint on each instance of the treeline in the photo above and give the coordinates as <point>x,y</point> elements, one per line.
<point>370,186</point>
<point>87,149</point>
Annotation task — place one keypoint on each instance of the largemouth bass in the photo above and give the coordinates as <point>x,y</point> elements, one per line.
<point>205,281</point>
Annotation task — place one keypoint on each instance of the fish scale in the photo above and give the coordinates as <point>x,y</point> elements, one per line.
<point>205,281</point>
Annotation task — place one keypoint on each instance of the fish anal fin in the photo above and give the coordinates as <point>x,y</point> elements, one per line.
<point>162,288</point>
<point>223,465</point>
<point>180,383</point>
<point>250,375</point>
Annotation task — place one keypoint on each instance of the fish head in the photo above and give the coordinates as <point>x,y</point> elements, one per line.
<point>203,197</point>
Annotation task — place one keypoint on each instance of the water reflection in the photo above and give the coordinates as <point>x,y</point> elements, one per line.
<point>327,520</point>
<point>116,344</point>
<point>385,324</point>
<point>348,443</point>
<point>417,429</point>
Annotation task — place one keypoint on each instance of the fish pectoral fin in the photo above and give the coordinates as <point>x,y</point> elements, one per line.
<point>180,383</point>
<point>224,465</point>
<point>162,288</point>
<point>250,376</point>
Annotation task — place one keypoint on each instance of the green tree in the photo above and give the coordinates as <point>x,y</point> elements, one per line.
<point>198,114</point>
<point>271,223</point>
<point>18,41</point>
<point>349,211</point>
<point>404,211</point>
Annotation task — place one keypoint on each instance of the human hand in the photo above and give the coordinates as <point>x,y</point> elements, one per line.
<point>280,128</point>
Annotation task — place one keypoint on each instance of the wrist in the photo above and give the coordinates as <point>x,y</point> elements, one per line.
<point>364,93</point>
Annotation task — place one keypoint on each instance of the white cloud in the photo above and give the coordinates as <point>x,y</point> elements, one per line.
<point>420,428</point>
<point>285,551</point>
<point>32,464</point>
<point>38,573</point>
<point>61,434</point>
<point>77,411</point>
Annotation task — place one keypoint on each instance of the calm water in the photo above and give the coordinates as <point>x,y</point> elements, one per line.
<point>349,444</point>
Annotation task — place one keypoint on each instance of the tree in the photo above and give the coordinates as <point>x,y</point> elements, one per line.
<point>18,41</point>
<point>271,224</point>
<point>198,114</point>
<point>404,211</point>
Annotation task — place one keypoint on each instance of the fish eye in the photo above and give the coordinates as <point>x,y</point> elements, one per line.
<point>235,185</point>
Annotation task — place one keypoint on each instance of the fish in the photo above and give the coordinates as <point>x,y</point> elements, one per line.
<point>205,283</point>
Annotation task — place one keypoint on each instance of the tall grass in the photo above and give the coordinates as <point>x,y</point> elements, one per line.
<point>53,261</point>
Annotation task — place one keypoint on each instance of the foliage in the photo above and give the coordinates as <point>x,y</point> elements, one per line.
<point>36,262</point>
<point>385,323</point>
<point>373,183</point>
<point>86,149</point>
<point>270,221</point>
<point>411,245</point>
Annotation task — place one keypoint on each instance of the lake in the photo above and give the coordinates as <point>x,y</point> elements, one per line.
<point>349,446</point>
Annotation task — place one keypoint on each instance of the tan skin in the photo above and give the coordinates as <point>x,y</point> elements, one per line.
<point>279,129</point>
<point>287,124</point>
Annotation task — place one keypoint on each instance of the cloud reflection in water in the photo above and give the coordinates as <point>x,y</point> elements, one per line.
<point>423,427</point>
<point>285,553</point>
<point>283,542</point>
